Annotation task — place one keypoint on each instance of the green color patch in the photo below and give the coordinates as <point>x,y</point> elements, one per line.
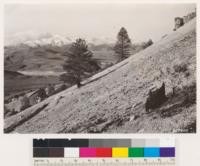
<point>136,152</point>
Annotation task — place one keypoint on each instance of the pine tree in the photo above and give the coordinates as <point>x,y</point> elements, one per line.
<point>123,45</point>
<point>79,63</point>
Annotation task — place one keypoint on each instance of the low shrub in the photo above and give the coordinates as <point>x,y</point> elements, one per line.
<point>180,68</point>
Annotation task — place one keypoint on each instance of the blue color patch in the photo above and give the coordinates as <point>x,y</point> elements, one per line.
<point>152,152</point>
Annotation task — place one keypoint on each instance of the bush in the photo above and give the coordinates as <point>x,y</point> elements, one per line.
<point>180,68</point>
<point>24,101</point>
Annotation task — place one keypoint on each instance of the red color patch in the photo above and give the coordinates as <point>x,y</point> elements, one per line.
<point>103,152</point>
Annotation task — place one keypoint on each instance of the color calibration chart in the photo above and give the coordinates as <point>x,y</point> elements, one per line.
<point>104,152</point>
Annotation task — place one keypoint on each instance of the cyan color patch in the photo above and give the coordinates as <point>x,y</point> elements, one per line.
<point>152,152</point>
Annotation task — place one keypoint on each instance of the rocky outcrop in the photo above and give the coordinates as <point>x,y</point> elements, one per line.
<point>180,21</point>
<point>18,104</point>
<point>155,98</point>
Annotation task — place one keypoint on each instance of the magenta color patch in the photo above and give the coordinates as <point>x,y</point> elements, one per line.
<point>87,152</point>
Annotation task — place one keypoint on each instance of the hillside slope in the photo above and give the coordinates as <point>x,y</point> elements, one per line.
<point>113,100</point>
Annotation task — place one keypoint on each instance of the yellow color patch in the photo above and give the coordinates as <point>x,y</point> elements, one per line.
<point>119,152</point>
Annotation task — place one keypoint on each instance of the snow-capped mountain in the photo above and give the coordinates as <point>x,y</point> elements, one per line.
<point>33,40</point>
<point>54,40</point>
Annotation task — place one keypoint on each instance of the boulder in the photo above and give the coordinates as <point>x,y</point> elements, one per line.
<point>155,98</point>
<point>179,21</point>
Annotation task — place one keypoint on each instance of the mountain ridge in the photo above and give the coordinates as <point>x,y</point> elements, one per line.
<point>53,39</point>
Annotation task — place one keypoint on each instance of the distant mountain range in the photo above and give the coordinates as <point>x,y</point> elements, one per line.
<point>34,40</point>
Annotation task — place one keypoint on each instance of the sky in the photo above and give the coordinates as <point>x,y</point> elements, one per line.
<point>142,21</point>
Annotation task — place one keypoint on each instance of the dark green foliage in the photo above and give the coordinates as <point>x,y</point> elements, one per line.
<point>147,44</point>
<point>123,45</point>
<point>79,63</point>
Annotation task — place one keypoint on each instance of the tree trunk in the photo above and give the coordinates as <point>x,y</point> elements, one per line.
<point>78,84</point>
